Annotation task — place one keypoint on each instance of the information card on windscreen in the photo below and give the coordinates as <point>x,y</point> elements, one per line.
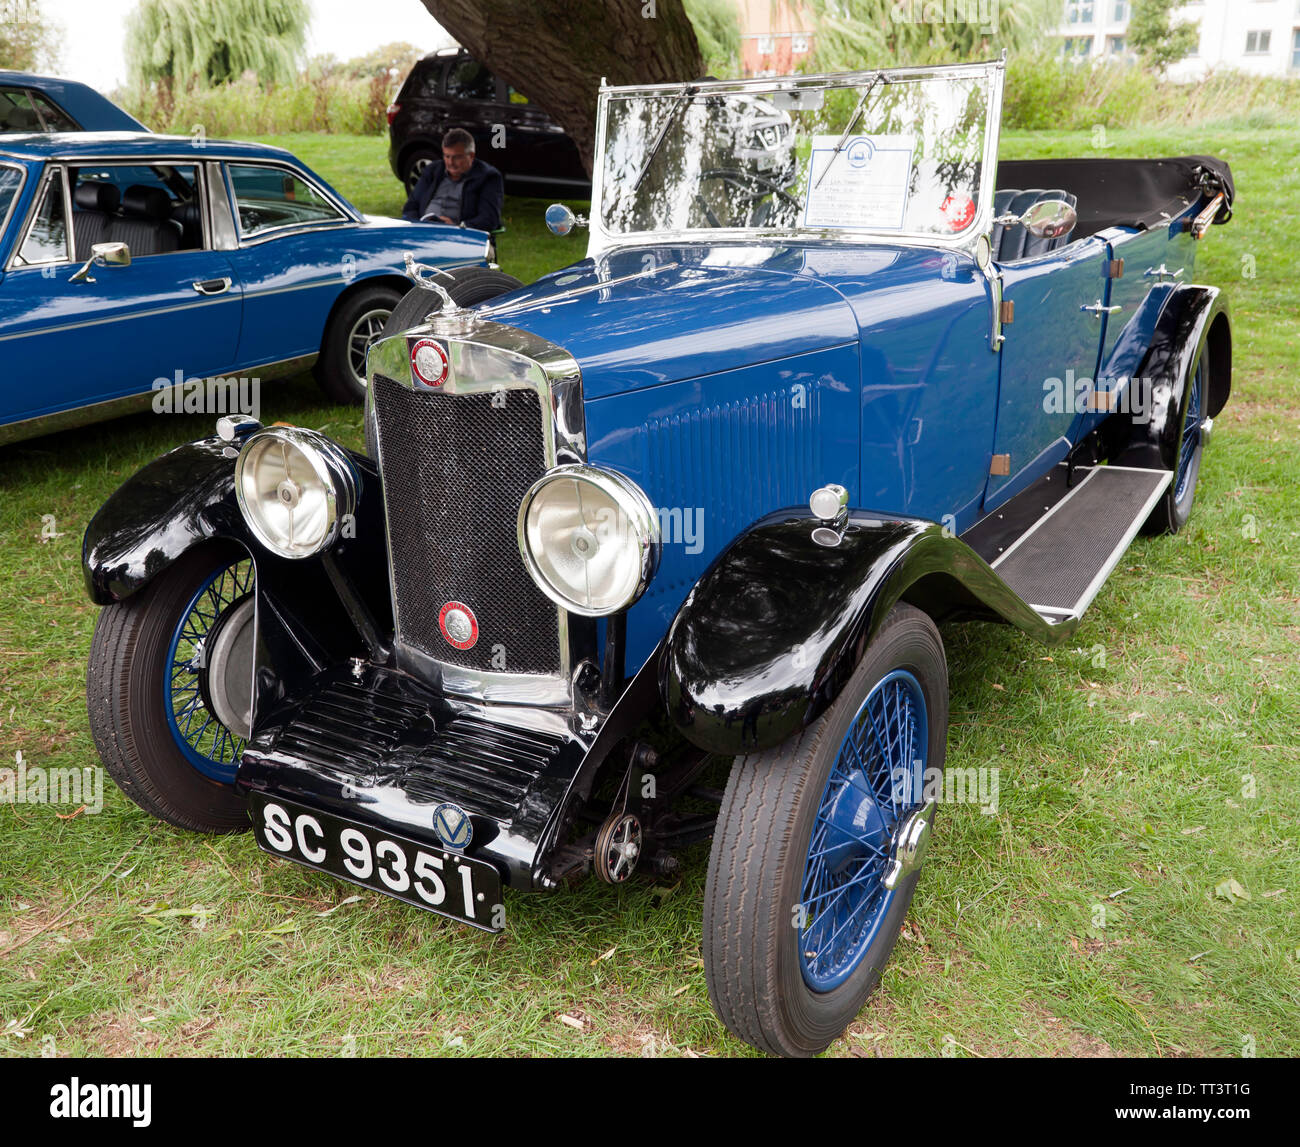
<point>865,187</point>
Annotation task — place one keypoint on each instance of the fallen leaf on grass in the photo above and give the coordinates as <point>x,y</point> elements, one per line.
<point>1193,831</point>
<point>1275,892</point>
<point>340,904</point>
<point>572,1021</point>
<point>281,929</point>
<point>604,955</point>
<point>71,815</point>
<point>999,688</point>
<point>1231,890</point>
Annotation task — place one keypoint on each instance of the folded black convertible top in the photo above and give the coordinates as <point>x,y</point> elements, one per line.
<point>1140,193</point>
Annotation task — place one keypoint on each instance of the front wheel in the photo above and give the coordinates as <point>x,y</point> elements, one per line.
<point>357,323</point>
<point>818,848</point>
<point>169,689</point>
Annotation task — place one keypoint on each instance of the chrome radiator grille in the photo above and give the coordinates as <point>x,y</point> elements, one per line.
<point>455,468</point>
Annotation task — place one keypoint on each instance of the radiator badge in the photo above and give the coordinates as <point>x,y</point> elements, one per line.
<point>451,823</point>
<point>429,362</point>
<point>458,624</point>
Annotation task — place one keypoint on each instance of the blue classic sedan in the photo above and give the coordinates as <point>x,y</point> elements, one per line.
<point>134,264</point>
<point>45,103</point>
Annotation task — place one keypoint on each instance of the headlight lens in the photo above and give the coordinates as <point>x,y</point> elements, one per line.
<point>295,488</point>
<point>589,538</point>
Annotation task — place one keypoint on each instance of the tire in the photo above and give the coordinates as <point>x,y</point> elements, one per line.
<point>148,689</point>
<point>414,163</point>
<point>771,981</point>
<point>1175,507</point>
<point>467,286</point>
<point>358,321</point>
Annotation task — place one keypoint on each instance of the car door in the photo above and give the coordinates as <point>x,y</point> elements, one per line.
<point>71,342</point>
<point>1048,360</point>
<point>290,271</point>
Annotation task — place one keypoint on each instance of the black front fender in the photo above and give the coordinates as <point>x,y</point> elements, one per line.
<point>185,499</point>
<point>774,629</point>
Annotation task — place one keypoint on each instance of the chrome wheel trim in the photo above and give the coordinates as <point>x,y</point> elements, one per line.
<point>368,327</point>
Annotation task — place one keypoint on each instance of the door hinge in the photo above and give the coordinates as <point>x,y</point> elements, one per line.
<point>1115,269</point>
<point>1000,466</point>
<point>1007,311</point>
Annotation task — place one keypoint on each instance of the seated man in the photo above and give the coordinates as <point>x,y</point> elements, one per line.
<point>460,189</point>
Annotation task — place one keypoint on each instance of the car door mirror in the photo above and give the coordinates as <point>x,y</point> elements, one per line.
<point>560,220</point>
<point>102,255</point>
<point>1050,219</point>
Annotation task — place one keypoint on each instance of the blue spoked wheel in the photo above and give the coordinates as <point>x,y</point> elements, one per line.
<point>1172,511</point>
<point>818,849</point>
<point>192,694</point>
<point>169,685</point>
<point>876,781</point>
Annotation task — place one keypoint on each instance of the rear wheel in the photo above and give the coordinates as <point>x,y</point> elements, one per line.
<point>169,689</point>
<point>414,164</point>
<point>818,848</point>
<point>1172,511</point>
<point>467,286</point>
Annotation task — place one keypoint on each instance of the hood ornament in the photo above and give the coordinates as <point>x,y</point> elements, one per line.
<point>450,318</point>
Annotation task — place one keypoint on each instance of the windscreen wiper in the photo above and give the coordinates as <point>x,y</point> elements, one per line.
<point>853,121</point>
<point>670,119</point>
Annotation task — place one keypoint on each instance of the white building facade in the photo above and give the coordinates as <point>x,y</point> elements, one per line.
<point>1261,36</point>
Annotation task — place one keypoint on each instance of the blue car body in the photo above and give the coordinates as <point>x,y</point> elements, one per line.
<point>100,343</point>
<point>706,493</point>
<point>25,100</point>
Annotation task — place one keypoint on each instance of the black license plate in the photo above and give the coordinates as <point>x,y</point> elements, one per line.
<point>428,877</point>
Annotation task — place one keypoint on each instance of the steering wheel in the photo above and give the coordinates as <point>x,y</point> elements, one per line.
<point>753,189</point>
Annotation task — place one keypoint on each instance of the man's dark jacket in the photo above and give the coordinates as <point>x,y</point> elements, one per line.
<point>480,202</point>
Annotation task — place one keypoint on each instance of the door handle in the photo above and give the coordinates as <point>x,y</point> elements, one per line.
<point>1099,308</point>
<point>213,286</point>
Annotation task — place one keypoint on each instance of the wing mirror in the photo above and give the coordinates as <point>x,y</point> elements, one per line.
<point>102,255</point>
<point>560,220</point>
<point>1046,219</point>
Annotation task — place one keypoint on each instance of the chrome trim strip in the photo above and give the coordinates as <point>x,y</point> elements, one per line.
<point>58,420</point>
<point>206,301</point>
<point>47,176</point>
<point>18,194</point>
<point>557,381</point>
<point>217,218</point>
<point>1034,528</point>
<point>600,240</point>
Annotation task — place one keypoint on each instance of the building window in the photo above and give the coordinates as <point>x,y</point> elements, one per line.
<point>766,45</point>
<point>799,43</point>
<point>1295,51</point>
<point>1115,45</point>
<point>1121,11</point>
<point>1077,47</point>
<point>1079,11</point>
<point>1257,43</point>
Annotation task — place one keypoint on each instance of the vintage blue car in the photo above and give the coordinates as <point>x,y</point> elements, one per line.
<point>31,103</point>
<point>130,262</point>
<point>693,507</point>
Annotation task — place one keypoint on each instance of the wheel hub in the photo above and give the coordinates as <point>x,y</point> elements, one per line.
<point>226,679</point>
<point>910,844</point>
<point>855,824</point>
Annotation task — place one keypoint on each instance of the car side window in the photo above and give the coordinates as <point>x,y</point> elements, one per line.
<point>270,197</point>
<point>53,117</point>
<point>46,240</point>
<point>470,80</point>
<point>155,209</point>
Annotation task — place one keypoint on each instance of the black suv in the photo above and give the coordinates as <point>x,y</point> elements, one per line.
<point>451,89</point>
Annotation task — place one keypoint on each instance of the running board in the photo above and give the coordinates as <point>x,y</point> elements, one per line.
<point>1059,564</point>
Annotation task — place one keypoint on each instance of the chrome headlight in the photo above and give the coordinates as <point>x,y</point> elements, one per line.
<point>589,538</point>
<point>295,487</point>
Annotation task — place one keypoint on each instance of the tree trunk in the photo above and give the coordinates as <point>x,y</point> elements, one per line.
<point>556,51</point>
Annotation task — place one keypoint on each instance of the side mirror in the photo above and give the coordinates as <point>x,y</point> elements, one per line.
<point>1047,219</point>
<point>102,255</point>
<point>1050,219</point>
<point>560,220</point>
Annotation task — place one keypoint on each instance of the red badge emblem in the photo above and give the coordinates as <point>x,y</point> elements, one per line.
<point>458,624</point>
<point>958,210</point>
<point>429,362</point>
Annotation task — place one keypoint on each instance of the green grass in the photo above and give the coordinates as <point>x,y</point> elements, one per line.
<point>1139,771</point>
